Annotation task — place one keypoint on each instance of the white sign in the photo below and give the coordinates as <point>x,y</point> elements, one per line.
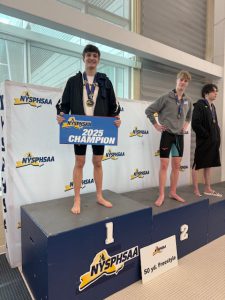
<point>158,258</point>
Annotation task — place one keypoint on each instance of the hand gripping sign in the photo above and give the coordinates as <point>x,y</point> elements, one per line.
<point>83,130</point>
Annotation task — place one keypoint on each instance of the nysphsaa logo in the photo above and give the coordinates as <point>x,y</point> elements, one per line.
<point>36,161</point>
<point>112,155</point>
<point>72,122</point>
<point>27,99</point>
<point>105,265</point>
<point>183,168</point>
<point>158,249</point>
<point>84,183</point>
<point>157,153</point>
<point>139,174</point>
<point>138,132</point>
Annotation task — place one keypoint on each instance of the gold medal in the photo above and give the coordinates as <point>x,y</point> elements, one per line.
<point>90,102</point>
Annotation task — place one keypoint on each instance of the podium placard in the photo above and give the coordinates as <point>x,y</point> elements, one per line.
<point>158,258</point>
<point>88,130</point>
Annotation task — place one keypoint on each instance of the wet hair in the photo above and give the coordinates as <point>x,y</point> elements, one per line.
<point>208,88</point>
<point>184,75</point>
<point>91,48</point>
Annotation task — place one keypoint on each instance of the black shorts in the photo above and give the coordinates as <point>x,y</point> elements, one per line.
<point>173,143</point>
<point>81,149</point>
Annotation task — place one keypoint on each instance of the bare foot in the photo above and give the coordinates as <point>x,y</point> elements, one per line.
<point>159,201</point>
<point>176,197</point>
<point>104,202</point>
<point>76,207</point>
<point>197,193</point>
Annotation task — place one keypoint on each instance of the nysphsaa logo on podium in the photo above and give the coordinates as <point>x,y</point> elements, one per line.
<point>104,264</point>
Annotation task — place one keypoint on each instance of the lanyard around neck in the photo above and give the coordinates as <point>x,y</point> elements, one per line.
<point>90,91</point>
<point>180,104</point>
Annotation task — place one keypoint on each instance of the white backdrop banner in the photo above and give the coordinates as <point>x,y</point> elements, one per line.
<point>35,167</point>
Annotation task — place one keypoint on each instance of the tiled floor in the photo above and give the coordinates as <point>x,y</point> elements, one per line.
<point>199,276</point>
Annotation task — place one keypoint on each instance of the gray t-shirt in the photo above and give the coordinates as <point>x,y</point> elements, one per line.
<point>167,109</point>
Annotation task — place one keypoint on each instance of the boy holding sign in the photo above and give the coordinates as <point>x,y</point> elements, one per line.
<point>91,94</point>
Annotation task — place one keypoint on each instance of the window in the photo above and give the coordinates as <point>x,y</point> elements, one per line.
<point>50,67</point>
<point>31,60</point>
<point>12,60</point>
<point>113,11</point>
<point>119,77</point>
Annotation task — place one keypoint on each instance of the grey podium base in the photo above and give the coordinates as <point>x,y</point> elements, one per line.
<point>55,216</point>
<point>149,195</point>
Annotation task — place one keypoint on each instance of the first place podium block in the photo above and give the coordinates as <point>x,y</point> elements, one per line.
<point>86,256</point>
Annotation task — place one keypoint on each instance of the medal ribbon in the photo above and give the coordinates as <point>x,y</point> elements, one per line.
<point>180,106</point>
<point>90,92</point>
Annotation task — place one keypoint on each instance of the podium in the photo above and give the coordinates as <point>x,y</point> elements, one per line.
<point>188,221</point>
<point>86,256</point>
<point>96,253</point>
<point>216,223</point>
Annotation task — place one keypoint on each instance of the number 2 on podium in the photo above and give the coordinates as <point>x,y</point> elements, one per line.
<point>109,233</point>
<point>184,232</point>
